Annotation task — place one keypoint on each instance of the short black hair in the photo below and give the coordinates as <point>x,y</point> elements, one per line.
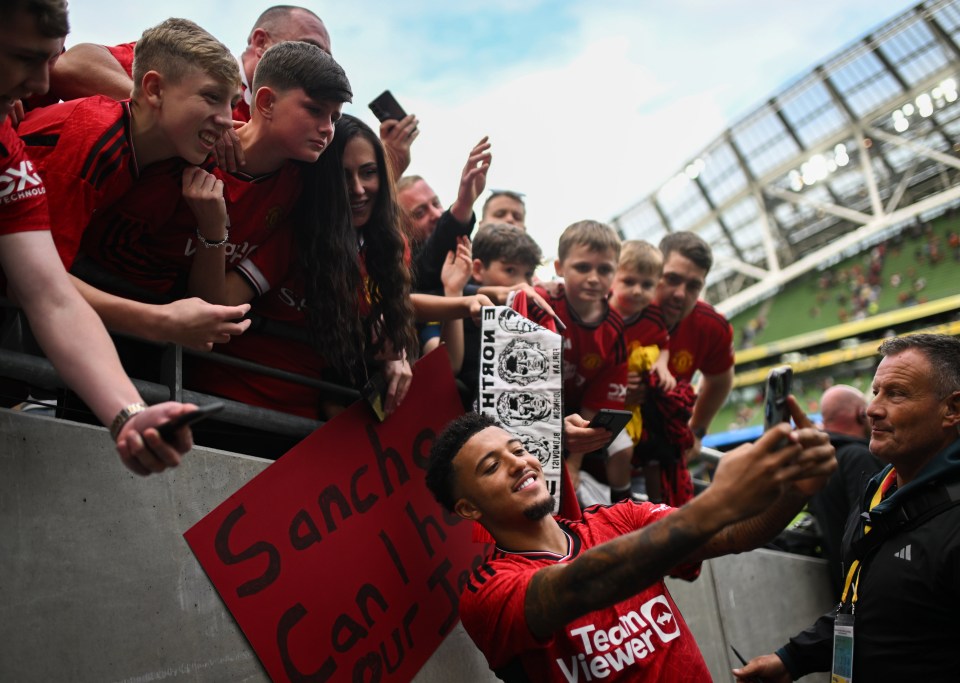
<point>440,471</point>
<point>294,64</point>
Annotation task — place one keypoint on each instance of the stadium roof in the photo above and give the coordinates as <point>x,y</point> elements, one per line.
<point>848,153</point>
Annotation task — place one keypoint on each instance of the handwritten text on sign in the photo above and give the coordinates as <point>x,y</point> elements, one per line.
<point>336,561</point>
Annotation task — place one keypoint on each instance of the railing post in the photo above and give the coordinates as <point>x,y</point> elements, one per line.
<point>171,370</point>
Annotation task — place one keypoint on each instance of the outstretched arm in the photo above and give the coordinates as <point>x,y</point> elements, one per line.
<point>755,531</point>
<point>189,322</point>
<point>473,180</point>
<point>75,341</point>
<point>88,69</point>
<point>712,393</point>
<point>455,273</point>
<point>748,481</point>
<point>397,138</point>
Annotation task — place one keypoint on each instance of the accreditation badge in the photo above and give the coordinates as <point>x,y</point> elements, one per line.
<point>842,670</point>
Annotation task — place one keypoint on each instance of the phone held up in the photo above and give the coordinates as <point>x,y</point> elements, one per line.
<point>386,107</point>
<point>613,421</point>
<point>775,410</point>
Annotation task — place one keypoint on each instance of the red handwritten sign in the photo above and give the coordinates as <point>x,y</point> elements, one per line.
<point>336,561</point>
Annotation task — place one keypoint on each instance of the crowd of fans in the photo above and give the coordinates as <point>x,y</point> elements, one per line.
<point>891,274</point>
<point>228,205</point>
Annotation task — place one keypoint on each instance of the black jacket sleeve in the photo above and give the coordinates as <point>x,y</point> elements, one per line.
<point>810,650</point>
<point>428,259</point>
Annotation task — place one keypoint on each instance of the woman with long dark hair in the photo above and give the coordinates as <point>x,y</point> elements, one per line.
<point>340,273</point>
<point>353,257</point>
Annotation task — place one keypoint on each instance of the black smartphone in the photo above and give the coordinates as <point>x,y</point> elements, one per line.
<point>386,107</point>
<point>612,420</point>
<point>775,410</point>
<point>168,429</point>
<point>374,392</point>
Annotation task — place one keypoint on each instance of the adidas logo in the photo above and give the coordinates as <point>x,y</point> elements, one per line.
<point>903,553</point>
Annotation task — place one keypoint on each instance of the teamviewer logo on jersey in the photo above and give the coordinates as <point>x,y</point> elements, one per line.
<point>20,178</point>
<point>658,614</point>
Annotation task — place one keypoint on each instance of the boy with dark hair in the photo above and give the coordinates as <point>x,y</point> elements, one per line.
<point>71,334</point>
<point>701,339</point>
<point>503,257</point>
<point>563,600</point>
<point>177,231</point>
<point>504,206</point>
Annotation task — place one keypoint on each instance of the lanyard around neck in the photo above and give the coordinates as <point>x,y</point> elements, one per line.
<point>853,576</point>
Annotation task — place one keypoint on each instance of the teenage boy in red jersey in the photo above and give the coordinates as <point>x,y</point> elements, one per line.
<point>700,337</point>
<point>90,152</point>
<point>71,334</point>
<point>562,600</point>
<point>175,232</point>
<point>89,69</point>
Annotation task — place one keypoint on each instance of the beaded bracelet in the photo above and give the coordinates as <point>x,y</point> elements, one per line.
<point>213,245</point>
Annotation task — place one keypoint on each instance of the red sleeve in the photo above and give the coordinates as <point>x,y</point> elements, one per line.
<point>607,390</point>
<point>124,55</point>
<point>23,199</point>
<point>720,355</point>
<point>78,147</point>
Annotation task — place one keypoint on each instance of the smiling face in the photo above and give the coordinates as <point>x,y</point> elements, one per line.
<point>193,112</point>
<point>423,208</point>
<point>679,287</point>
<point>497,480</point>
<point>25,59</point>
<point>363,178</point>
<point>909,422</point>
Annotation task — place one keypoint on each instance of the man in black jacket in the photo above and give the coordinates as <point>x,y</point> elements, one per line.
<point>843,410</point>
<point>902,552</point>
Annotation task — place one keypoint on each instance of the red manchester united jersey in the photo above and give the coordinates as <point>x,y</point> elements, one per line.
<point>646,328</point>
<point>702,341</point>
<point>149,237</point>
<point>83,151</point>
<point>588,349</point>
<point>23,199</point>
<point>643,638</point>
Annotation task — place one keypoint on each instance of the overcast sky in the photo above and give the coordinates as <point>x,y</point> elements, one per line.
<point>589,105</point>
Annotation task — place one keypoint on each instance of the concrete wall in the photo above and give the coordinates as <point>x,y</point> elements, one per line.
<point>97,583</point>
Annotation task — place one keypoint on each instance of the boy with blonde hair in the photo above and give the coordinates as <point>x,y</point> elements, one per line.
<point>89,151</point>
<point>71,334</point>
<point>593,341</point>
<point>632,293</point>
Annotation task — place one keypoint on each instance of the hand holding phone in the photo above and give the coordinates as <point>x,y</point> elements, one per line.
<point>613,421</point>
<point>386,107</point>
<point>169,429</point>
<point>775,409</point>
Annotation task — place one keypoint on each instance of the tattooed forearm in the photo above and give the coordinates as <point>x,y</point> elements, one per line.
<point>612,572</point>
